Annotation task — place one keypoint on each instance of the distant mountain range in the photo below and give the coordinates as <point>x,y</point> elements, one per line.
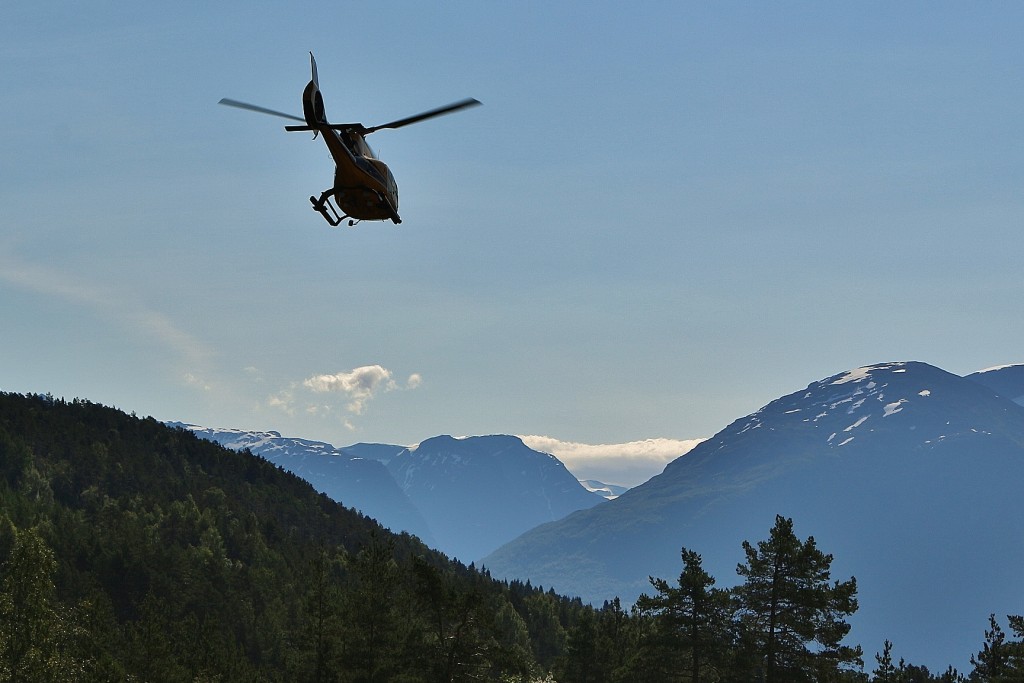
<point>356,477</point>
<point>478,492</point>
<point>609,491</point>
<point>909,475</point>
<point>463,496</point>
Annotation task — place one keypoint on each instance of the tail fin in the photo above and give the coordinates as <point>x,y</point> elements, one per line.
<point>312,100</point>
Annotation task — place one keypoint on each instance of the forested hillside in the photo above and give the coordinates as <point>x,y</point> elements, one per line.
<point>132,551</point>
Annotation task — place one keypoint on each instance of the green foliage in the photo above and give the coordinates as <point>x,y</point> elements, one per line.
<point>887,672</point>
<point>601,646</point>
<point>784,623</point>
<point>130,551</point>
<point>38,638</point>
<point>1000,660</point>
<point>134,552</point>
<point>791,619</point>
<point>692,623</point>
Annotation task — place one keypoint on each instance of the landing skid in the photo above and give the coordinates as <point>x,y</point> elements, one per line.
<point>325,208</point>
<point>394,214</point>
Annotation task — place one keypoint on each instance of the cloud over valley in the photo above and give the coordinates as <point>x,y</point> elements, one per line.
<point>626,464</point>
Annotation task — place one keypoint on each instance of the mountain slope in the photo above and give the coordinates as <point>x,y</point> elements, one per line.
<point>358,482</point>
<point>382,452</point>
<point>908,474</point>
<point>480,491</point>
<point>134,551</point>
<point>607,491</point>
<point>1005,380</point>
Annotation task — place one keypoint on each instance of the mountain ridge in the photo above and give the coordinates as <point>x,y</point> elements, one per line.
<point>132,550</point>
<point>427,489</point>
<point>879,463</point>
<point>355,481</point>
<point>476,490</point>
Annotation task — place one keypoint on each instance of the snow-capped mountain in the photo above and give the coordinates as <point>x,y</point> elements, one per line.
<point>478,492</point>
<point>606,491</point>
<point>1005,380</point>
<point>381,452</point>
<point>464,497</point>
<point>359,482</point>
<point>910,476</point>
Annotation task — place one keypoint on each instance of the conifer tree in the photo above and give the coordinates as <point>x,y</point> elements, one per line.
<point>371,604</point>
<point>691,619</point>
<point>579,663</point>
<point>999,661</point>
<point>36,636</point>
<point>792,619</point>
<point>886,671</point>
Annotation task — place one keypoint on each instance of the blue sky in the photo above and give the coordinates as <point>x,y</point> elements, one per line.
<point>665,215</point>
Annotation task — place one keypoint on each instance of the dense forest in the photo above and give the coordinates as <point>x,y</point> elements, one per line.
<point>130,551</point>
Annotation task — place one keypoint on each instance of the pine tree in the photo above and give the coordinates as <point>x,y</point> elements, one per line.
<point>886,671</point>
<point>37,637</point>
<point>691,618</point>
<point>999,661</point>
<point>371,602</point>
<point>322,616</point>
<point>579,663</point>
<point>791,617</point>
<point>459,642</point>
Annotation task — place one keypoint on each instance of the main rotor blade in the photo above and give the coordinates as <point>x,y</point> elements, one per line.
<point>262,110</point>
<point>462,104</point>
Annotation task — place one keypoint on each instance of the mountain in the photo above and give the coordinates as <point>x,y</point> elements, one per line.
<point>130,550</point>
<point>1005,380</point>
<point>909,475</point>
<point>464,497</point>
<point>353,476</point>
<point>382,452</point>
<point>478,492</point>
<point>607,491</point>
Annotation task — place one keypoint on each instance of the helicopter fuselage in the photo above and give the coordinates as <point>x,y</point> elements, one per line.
<point>364,188</point>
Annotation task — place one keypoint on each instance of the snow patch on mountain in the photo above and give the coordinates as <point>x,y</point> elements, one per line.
<point>607,491</point>
<point>996,368</point>
<point>906,472</point>
<point>364,484</point>
<point>1006,380</point>
<point>860,393</point>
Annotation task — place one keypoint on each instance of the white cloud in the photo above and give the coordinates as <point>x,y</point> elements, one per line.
<point>196,381</point>
<point>358,386</point>
<point>626,464</point>
<point>283,401</point>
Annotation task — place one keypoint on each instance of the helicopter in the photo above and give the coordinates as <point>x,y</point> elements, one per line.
<point>364,188</point>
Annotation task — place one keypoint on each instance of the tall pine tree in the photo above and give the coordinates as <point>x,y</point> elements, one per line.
<point>792,619</point>
<point>999,661</point>
<point>37,637</point>
<point>691,620</point>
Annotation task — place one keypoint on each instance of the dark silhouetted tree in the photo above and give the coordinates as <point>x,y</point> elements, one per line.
<point>791,618</point>
<point>691,622</point>
<point>886,671</point>
<point>999,661</point>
